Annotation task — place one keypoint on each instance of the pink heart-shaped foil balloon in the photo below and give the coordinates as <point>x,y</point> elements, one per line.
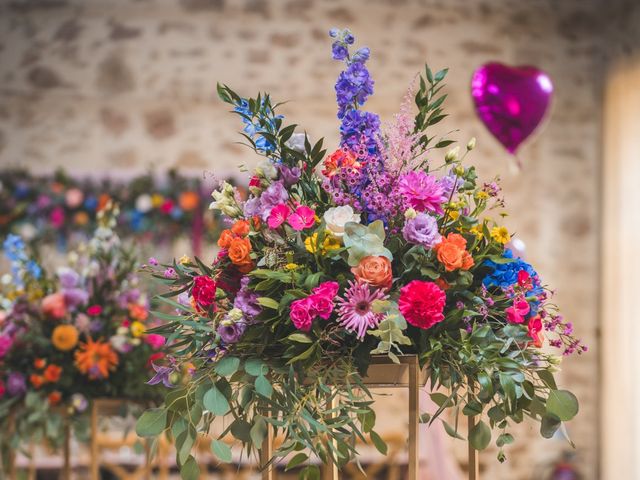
<point>511,101</point>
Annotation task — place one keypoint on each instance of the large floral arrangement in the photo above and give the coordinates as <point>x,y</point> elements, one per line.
<point>58,207</point>
<point>383,247</point>
<point>73,336</point>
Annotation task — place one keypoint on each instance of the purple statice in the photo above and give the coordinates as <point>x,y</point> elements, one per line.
<point>422,230</point>
<point>16,384</point>
<point>231,332</point>
<point>422,191</point>
<point>247,300</point>
<point>289,175</point>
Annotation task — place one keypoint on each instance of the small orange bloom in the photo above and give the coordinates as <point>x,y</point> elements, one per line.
<point>189,201</point>
<point>36,380</point>
<point>138,312</point>
<point>81,218</point>
<point>52,373</point>
<point>452,253</point>
<point>239,251</point>
<point>240,228</point>
<point>225,239</point>
<point>442,283</point>
<point>96,359</point>
<point>54,398</point>
<point>39,363</point>
<point>64,337</point>
<point>103,201</point>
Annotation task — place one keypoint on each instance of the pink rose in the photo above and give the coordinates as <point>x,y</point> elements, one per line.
<point>321,306</point>
<point>327,289</point>
<point>154,340</point>
<point>301,315</point>
<point>517,312</point>
<point>304,217</point>
<point>54,306</point>
<point>278,216</point>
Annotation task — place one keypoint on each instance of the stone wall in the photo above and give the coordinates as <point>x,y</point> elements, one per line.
<point>116,87</point>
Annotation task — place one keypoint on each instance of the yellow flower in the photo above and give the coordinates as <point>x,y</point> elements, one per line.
<point>477,231</point>
<point>482,195</point>
<point>156,200</point>
<point>500,234</point>
<point>137,329</point>
<point>453,215</point>
<point>291,266</point>
<point>184,260</point>
<point>64,337</point>
<point>329,243</point>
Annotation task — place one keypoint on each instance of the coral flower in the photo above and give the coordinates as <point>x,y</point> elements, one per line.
<point>52,373</point>
<point>355,311</point>
<point>96,359</point>
<point>189,201</point>
<point>39,363</point>
<point>54,306</point>
<point>535,331</point>
<point>341,158</point>
<point>54,398</point>
<point>452,254</point>
<point>138,312</point>
<point>64,337</point>
<point>36,380</point>
<point>374,270</point>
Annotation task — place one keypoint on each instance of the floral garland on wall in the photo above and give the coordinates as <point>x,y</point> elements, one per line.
<point>71,336</point>
<point>55,208</point>
<point>387,246</point>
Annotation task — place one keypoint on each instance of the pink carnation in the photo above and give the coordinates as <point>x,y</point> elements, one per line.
<point>5,345</point>
<point>422,303</point>
<point>422,191</point>
<point>154,340</point>
<point>304,217</point>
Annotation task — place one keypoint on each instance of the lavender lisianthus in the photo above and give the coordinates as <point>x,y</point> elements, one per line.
<point>450,185</point>
<point>74,297</point>
<point>247,300</point>
<point>422,230</point>
<point>231,332</point>
<point>68,277</point>
<point>275,194</point>
<point>16,384</point>
<point>289,175</point>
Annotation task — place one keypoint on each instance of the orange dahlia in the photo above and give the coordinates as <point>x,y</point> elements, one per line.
<point>96,359</point>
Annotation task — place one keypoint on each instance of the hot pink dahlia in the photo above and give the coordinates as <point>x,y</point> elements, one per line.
<point>422,191</point>
<point>355,311</point>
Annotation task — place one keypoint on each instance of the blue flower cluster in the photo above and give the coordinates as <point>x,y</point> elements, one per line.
<point>16,252</point>
<point>353,87</point>
<point>506,274</point>
<point>253,124</point>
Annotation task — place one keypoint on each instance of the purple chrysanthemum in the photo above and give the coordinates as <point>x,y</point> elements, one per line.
<point>355,310</point>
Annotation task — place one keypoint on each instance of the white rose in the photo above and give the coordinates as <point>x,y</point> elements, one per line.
<point>296,142</point>
<point>144,203</point>
<point>266,169</point>
<point>27,231</point>
<point>337,217</point>
<point>119,343</point>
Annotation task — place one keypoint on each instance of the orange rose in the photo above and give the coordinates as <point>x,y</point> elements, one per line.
<point>241,228</point>
<point>54,398</point>
<point>239,251</point>
<point>452,254</point>
<point>54,306</point>
<point>189,201</point>
<point>375,271</point>
<point>52,373</point>
<point>225,239</point>
<point>36,380</point>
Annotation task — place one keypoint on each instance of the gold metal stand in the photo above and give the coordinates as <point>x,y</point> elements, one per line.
<point>383,373</point>
<point>111,406</point>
